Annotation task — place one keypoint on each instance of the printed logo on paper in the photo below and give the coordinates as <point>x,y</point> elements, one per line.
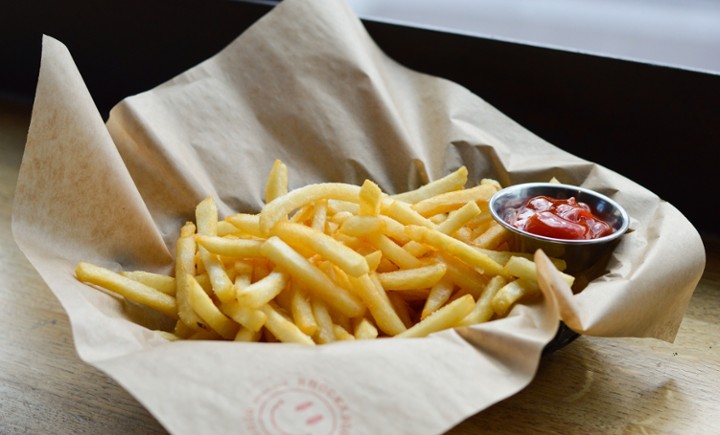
<point>303,406</point>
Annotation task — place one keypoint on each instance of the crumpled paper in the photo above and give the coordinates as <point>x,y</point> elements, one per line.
<point>307,85</point>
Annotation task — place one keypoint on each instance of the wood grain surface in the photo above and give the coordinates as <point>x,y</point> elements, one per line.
<point>594,385</point>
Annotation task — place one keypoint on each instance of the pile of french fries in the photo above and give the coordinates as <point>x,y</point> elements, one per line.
<point>335,261</point>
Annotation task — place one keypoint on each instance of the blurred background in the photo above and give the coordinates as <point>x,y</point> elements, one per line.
<point>679,33</point>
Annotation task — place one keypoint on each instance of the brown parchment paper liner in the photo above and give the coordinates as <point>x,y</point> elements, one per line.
<point>307,85</point>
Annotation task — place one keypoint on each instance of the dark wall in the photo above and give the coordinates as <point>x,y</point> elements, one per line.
<point>658,126</point>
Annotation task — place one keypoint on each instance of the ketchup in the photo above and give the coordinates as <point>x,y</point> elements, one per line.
<point>559,219</point>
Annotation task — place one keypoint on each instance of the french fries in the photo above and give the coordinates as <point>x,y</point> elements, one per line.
<point>334,262</point>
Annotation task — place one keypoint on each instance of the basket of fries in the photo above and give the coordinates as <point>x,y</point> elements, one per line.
<point>295,234</point>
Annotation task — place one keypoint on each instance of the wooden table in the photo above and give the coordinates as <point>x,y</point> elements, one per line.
<point>594,385</point>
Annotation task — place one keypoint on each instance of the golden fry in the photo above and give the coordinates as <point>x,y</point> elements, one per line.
<point>263,291</point>
<point>283,329</point>
<point>302,313</point>
<point>249,318</point>
<point>159,282</point>
<point>206,309</point>
<point>345,258</point>
<point>417,278</point>
<point>510,293</point>
<point>483,310</point>
<point>467,254</point>
<point>370,199</point>
<point>525,268</point>
<point>277,183</point>
<point>365,330</point>
<point>138,292</point>
<point>437,297</point>
<point>378,304</point>
<point>185,250</point>
<point>453,181</point>
<point>446,317</point>
<point>273,212</point>
<point>242,248</point>
<point>449,201</point>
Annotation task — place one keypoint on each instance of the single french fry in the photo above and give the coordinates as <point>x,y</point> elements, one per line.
<point>437,297</point>
<point>458,218</point>
<point>169,336</point>
<point>206,309</point>
<point>493,236</point>
<point>241,248</point>
<point>182,330</point>
<point>404,213</point>
<point>364,329</point>
<point>378,304</point>
<point>325,332</point>
<point>411,279</point>
<point>277,183</point>
<point>525,268</point>
<point>283,329</point>
<point>160,282</point>
<point>248,224</point>
<point>221,283</point>
<point>185,249</point>
<point>373,260</point>
<point>449,201</point>
<point>510,293</point>
<point>247,335</point>
<point>261,292</point>
<point>467,254</point>
<point>393,229</point>
<point>301,311</point>
<point>358,226</point>
<point>275,211</point>
<point>206,217</point>
<point>345,258</point>
<point>136,291</point>
<point>483,310</point>
<point>446,317</point>
<point>249,318</point>
<point>341,334</point>
<point>319,217</point>
<point>454,181</point>
<point>370,197</point>
<point>225,228</point>
<point>312,278</point>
